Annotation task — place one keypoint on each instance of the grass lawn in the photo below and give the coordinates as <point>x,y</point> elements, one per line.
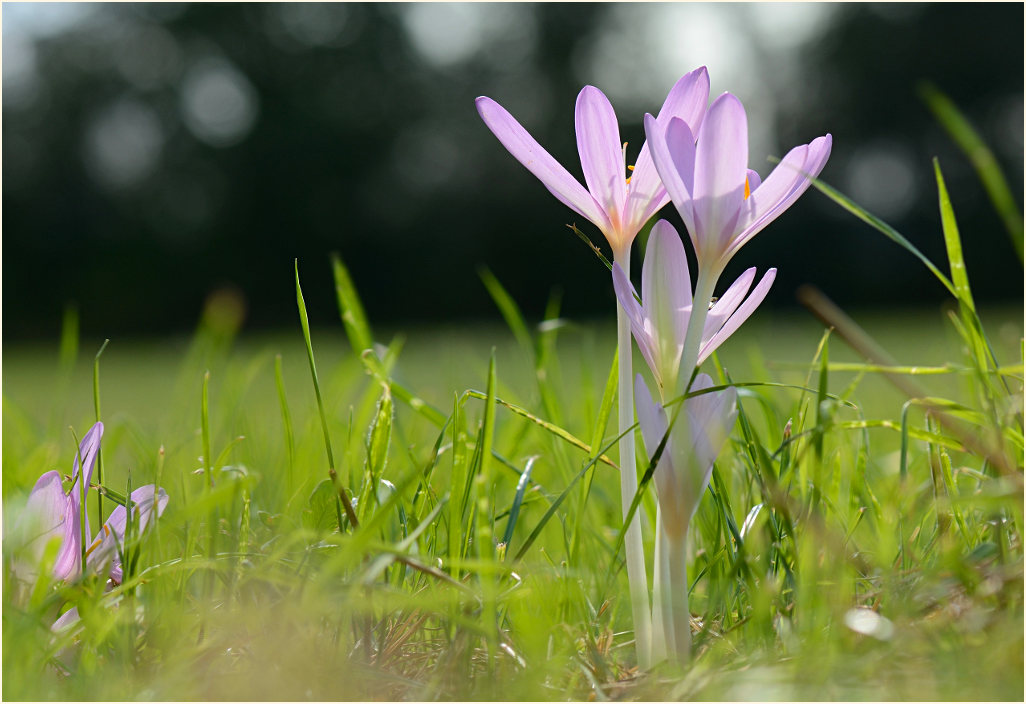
<point>486,562</point>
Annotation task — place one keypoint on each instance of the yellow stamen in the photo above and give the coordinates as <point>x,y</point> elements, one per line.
<point>748,188</point>
<point>96,543</point>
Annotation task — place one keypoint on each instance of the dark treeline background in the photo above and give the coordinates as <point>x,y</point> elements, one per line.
<point>156,153</point>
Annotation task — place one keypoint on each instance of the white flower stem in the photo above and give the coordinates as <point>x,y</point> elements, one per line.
<point>661,647</point>
<point>671,587</point>
<point>634,548</point>
<point>678,639</point>
<point>696,323</point>
<point>662,615</point>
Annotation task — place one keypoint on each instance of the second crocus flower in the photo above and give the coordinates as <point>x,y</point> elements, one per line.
<point>661,320</point>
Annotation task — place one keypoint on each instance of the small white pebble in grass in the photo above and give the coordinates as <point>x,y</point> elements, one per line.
<point>869,623</point>
<point>991,585</point>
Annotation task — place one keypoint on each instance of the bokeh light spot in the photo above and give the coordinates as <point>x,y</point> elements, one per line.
<point>123,143</point>
<point>219,104</point>
<point>882,179</point>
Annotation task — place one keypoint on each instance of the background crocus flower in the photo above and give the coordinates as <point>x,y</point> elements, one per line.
<point>681,477</point>
<point>102,555</point>
<point>103,551</point>
<point>660,321</point>
<point>617,205</point>
<point>50,513</point>
<point>723,202</point>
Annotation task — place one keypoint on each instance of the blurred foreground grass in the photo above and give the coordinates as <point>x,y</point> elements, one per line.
<point>820,570</point>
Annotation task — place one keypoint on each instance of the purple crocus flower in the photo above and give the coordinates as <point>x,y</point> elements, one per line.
<point>681,477</point>
<point>685,466</point>
<point>103,551</point>
<point>660,321</point>
<point>51,513</point>
<point>617,205</point>
<point>102,554</point>
<point>723,202</point>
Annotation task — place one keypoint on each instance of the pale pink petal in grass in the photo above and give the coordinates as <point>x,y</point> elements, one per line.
<point>539,162</point>
<point>721,166</point>
<point>740,315</point>
<point>728,302</point>
<point>602,158</point>
<point>666,290</point>
<point>673,153</point>
<point>687,101</point>
<point>784,185</point>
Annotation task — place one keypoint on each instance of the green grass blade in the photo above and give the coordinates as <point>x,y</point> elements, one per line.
<point>982,159</point>
<point>599,432</point>
<point>959,275</point>
<point>304,322</point>
<point>879,225</point>
<point>508,307</point>
<point>96,407</point>
<point>208,469</point>
<point>286,420</point>
<point>378,441</point>
<point>353,318</point>
<point>400,392</point>
<point>518,499</point>
<point>457,480</point>
<point>822,417</point>
<point>592,246</point>
<point>566,492</point>
<point>485,521</point>
<point>550,427</point>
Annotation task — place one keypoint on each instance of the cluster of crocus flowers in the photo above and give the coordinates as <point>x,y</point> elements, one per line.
<point>619,200</point>
<point>51,515</point>
<point>696,157</point>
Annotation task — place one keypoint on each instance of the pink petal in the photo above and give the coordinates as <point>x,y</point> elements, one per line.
<point>651,417</point>
<point>782,187</point>
<point>673,153</point>
<point>87,450</point>
<point>598,141</point>
<point>653,422</point>
<point>539,162</point>
<point>645,193</point>
<point>104,547</point>
<point>711,417</point>
<point>47,505</point>
<point>636,315</point>
<point>721,165</point>
<point>739,316</point>
<point>687,100</point>
<point>66,620</point>
<point>728,303</point>
<point>666,293</point>
<point>753,180</point>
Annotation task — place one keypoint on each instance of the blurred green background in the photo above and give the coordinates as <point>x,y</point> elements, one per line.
<point>156,153</point>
